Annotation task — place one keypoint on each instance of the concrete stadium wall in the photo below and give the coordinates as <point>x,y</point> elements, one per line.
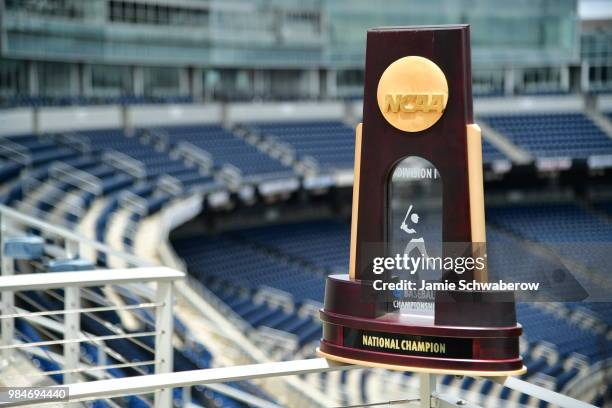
<point>529,104</point>
<point>604,103</point>
<point>280,112</point>
<point>157,115</point>
<point>78,118</point>
<point>54,119</point>
<point>16,122</point>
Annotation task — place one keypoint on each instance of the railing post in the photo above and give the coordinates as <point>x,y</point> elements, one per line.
<point>72,331</point>
<point>428,387</point>
<point>163,340</point>
<point>7,267</point>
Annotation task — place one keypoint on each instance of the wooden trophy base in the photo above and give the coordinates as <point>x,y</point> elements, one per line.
<point>357,331</point>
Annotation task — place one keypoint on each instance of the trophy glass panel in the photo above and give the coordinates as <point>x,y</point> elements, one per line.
<point>414,231</point>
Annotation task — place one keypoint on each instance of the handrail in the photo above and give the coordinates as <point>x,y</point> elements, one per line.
<point>78,178</point>
<point>195,154</point>
<point>53,280</point>
<point>16,152</point>
<point>150,383</point>
<point>125,163</point>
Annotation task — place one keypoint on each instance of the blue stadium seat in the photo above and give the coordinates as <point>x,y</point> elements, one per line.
<point>27,248</point>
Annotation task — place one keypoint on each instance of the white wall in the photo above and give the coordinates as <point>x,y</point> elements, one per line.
<point>529,104</point>
<point>604,103</point>
<point>79,118</point>
<point>16,121</point>
<point>22,121</point>
<point>252,112</point>
<point>155,115</point>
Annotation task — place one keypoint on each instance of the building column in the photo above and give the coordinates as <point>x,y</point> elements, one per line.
<point>584,76</point>
<point>565,78</point>
<point>138,81</point>
<point>509,81</point>
<point>33,87</point>
<point>313,83</point>
<point>331,84</point>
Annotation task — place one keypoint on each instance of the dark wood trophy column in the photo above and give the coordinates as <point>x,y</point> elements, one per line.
<point>418,189</point>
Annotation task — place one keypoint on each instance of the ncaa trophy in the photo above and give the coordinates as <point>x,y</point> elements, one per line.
<point>418,195</point>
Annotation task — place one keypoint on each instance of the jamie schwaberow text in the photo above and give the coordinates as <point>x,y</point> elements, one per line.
<point>468,285</point>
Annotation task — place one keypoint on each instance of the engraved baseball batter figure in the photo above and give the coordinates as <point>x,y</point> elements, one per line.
<point>416,242</point>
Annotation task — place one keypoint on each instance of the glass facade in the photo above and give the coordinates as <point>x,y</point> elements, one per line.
<point>285,34</point>
<point>240,49</point>
<point>110,80</point>
<point>502,32</point>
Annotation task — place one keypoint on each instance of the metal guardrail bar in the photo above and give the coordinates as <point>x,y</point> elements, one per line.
<point>38,281</point>
<point>87,369</point>
<point>151,383</point>
<point>125,163</point>
<point>81,310</point>
<point>92,339</point>
<point>544,394</point>
<point>78,178</point>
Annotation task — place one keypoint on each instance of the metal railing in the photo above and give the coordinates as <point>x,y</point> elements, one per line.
<point>78,300</point>
<point>78,304</point>
<point>67,243</point>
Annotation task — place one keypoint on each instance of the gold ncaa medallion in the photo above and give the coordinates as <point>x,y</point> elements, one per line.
<point>412,93</point>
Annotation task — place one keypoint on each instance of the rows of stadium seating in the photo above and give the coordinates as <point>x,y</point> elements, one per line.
<point>193,355</point>
<point>554,135</point>
<point>225,147</point>
<point>223,256</point>
<point>89,152</point>
<point>88,174</point>
<point>331,144</point>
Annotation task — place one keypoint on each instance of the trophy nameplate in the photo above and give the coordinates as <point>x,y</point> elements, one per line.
<point>418,193</point>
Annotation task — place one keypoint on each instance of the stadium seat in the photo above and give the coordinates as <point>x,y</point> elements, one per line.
<point>25,248</point>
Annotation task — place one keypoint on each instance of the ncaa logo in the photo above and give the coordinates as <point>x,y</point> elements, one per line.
<point>412,94</point>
